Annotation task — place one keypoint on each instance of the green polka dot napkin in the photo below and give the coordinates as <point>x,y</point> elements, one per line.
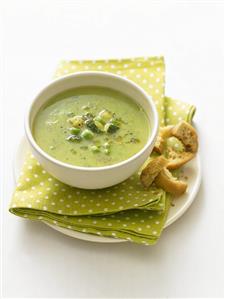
<point>126,210</point>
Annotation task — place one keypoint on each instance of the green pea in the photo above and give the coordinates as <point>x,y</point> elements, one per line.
<point>75,131</point>
<point>87,134</point>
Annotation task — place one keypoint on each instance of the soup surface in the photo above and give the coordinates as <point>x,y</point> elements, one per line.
<point>91,127</point>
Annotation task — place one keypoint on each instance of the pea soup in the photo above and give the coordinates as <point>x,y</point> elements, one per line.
<point>91,127</point>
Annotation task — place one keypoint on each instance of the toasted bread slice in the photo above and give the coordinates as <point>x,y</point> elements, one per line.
<point>178,159</point>
<point>151,170</point>
<point>169,183</point>
<point>187,134</point>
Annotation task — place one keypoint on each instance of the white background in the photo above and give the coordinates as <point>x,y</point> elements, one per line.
<point>188,259</point>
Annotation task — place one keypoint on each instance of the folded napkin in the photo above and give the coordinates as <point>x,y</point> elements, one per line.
<point>124,211</point>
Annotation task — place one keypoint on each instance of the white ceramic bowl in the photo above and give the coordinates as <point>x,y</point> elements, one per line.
<point>93,177</point>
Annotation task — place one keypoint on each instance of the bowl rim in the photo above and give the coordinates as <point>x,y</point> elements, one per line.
<point>151,139</point>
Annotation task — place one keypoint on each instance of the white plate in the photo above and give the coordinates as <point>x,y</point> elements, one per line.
<point>192,170</point>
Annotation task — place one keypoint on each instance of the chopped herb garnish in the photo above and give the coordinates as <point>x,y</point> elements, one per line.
<point>134,140</point>
<point>115,122</point>
<point>111,128</point>
<point>95,149</point>
<point>84,147</point>
<point>119,138</point>
<point>73,151</point>
<point>120,120</point>
<point>92,126</point>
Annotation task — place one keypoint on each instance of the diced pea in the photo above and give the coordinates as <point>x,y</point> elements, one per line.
<point>94,148</point>
<point>105,115</point>
<point>75,131</point>
<point>99,125</point>
<point>87,134</point>
<point>134,140</point>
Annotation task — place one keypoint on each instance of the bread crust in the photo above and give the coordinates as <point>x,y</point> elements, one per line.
<point>151,170</point>
<point>169,183</point>
<point>176,160</point>
<point>164,133</point>
<point>187,135</point>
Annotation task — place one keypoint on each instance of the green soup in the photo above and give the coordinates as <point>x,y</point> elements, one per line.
<point>91,127</point>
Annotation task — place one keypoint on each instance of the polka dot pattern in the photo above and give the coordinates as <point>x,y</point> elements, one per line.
<point>124,211</point>
<point>175,111</point>
<point>125,196</point>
